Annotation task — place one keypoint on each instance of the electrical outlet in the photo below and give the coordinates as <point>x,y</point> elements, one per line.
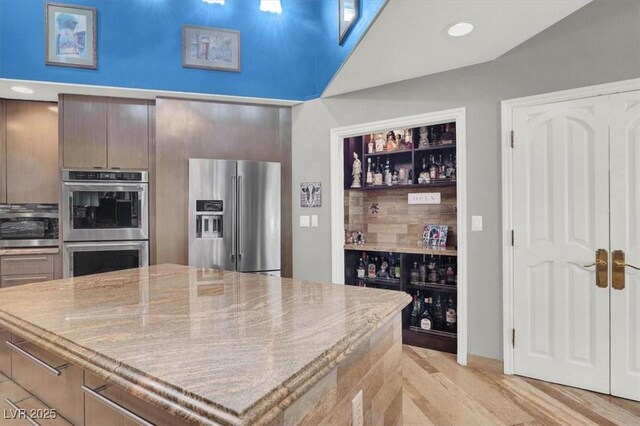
<point>476,223</point>
<point>314,220</point>
<point>304,221</point>
<point>357,413</point>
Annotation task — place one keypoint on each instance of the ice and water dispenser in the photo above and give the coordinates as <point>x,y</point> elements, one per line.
<point>209,218</point>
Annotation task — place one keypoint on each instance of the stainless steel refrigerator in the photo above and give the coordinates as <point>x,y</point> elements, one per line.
<point>234,215</point>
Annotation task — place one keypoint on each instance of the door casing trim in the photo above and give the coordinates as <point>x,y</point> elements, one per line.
<point>507,108</point>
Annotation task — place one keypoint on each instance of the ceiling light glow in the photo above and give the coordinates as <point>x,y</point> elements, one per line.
<point>214,1</point>
<point>460,29</point>
<point>273,6</point>
<point>22,89</point>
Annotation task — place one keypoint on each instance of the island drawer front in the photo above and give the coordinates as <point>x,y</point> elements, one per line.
<point>13,280</point>
<point>61,392</point>
<point>97,412</point>
<point>26,264</point>
<point>5,353</point>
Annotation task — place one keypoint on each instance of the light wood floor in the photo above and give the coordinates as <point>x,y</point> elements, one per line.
<point>438,391</point>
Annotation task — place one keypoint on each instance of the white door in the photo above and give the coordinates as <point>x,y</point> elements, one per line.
<point>561,217</point>
<point>625,236</point>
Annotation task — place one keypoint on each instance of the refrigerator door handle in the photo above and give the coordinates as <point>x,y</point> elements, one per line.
<point>239,204</point>
<point>233,217</point>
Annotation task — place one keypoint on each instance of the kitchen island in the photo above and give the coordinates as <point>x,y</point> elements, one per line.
<point>173,344</point>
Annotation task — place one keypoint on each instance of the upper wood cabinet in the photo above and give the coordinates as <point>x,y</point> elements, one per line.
<point>128,134</point>
<point>84,131</point>
<point>99,132</point>
<point>31,152</point>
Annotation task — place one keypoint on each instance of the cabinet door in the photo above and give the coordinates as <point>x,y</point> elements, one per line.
<point>128,134</point>
<point>84,131</point>
<point>32,152</point>
<point>3,154</point>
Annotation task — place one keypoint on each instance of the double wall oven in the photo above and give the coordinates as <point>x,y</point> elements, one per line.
<point>105,221</point>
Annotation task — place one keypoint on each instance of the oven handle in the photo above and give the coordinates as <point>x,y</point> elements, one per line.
<point>133,244</point>
<point>107,187</point>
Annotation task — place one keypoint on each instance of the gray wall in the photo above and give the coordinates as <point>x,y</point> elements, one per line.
<point>599,43</point>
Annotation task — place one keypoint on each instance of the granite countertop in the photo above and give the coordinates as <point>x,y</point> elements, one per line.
<point>207,345</point>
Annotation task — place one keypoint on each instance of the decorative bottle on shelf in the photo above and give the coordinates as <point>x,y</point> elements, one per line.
<point>369,172</point>
<point>454,169</point>
<point>415,312</point>
<point>377,176</point>
<point>426,320</point>
<point>397,269</point>
<point>371,145</point>
<point>451,316</point>
<point>380,143</point>
<point>424,177</point>
<point>420,302</point>
<point>392,267</point>
<point>387,173</point>
<point>424,140</point>
<point>437,312</point>
<point>423,272</point>
<point>441,168</point>
<point>433,168</point>
<point>361,270</point>
<point>414,277</point>
<point>442,277</point>
<point>449,167</point>
<point>433,138</point>
<point>433,273</point>
<point>371,268</point>
<point>450,274</point>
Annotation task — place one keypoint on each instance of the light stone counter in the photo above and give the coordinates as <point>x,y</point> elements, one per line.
<point>212,346</point>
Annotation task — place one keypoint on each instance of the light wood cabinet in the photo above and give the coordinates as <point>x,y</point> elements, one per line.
<point>5,353</point>
<point>31,152</point>
<point>61,391</point>
<point>84,131</point>
<point>128,134</point>
<point>100,132</point>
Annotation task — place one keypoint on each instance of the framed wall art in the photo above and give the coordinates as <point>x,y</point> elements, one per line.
<point>435,236</point>
<point>211,48</point>
<point>71,36</point>
<point>348,14</point>
<point>311,194</point>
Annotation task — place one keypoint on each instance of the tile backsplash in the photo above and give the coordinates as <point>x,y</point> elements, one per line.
<point>386,216</point>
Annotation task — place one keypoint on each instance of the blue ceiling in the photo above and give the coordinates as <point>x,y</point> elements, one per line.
<point>293,55</point>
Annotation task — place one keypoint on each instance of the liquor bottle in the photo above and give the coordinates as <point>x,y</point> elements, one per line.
<point>380,142</point>
<point>397,270</point>
<point>432,135</point>
<point>415,312</point>
<point>369,172</point>
<point>377,177</point>
<point>361,269</point>
<point>420,297</point>
<point>450,274</point>
<point>449,167</point>
<point>426,320</point>
<point>438,313</point>
<point>392,267</point>
<point>371,269</point>
<point>387,173</point>
<point>451,316</point>
<point>370,145</point>
<point>441,168</point>
<point>423,272</point>
<point>442,278</point>
<point>414,276</point>
<point>433,273</point>
<point>423,177</point>
<point>433,168</point>
<point>454,169</point>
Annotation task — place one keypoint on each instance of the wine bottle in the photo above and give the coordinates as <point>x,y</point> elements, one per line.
<point>423,272</point>
<point>451,316</point>
<point>437,312</point>
<point>426,320</point>
<point>361,269</point>
<point>414,277</point>
<point>415,312</point>
<point>369,172</point>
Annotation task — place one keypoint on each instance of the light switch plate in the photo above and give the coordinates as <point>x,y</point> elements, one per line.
<point>476,223</point>
<point>304,221</point>
<point>424,198</point>
<point>314,220</point>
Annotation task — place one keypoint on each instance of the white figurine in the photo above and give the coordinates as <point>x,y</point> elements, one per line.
<point>357,172</point>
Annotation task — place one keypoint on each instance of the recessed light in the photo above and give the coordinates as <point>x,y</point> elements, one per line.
<point>460,29</point>
<point>273,6</point>
<point>22,89</point>
<point>214,1</point>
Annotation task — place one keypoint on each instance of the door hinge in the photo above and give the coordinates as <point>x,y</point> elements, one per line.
<point>513,337</point>
<point>512,133</point>
<point>513,238</point>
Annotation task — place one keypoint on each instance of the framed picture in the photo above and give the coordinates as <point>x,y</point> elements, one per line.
<point>311,194</point>
<point>70,36</point>
<point>348,14</point>
<point>435,236</point>
<point>210,48</point>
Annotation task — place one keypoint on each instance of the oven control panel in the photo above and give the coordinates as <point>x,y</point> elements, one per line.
<point>105,176</point>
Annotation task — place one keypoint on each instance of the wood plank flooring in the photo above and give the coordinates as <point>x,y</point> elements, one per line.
<point>438,391</point>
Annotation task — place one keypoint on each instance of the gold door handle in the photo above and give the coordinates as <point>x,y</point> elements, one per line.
<point>602,268</point>
<point>618,269</point>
